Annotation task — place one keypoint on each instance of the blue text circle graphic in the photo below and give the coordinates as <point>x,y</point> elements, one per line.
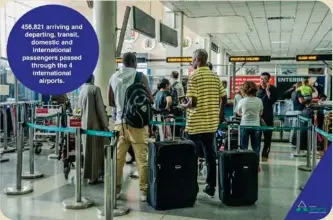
<point>52,49</point>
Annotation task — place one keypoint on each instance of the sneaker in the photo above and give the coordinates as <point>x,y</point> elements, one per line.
<point>143,197</point>
<point>134,175</point>
<point>208,192</point>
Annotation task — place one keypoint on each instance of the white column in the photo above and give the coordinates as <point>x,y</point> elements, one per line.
<point>220,62</point>
<point>105,23</point>
<point>208,47</point>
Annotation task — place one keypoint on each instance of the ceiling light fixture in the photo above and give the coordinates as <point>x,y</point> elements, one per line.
<point>323,49</point>
<point>278,42</point>
<point>239,50</point>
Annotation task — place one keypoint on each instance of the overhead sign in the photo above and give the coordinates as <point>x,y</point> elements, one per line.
<point>179,59</point>
<point>215,48</point>
<point>138,59</point>
<point>239,80</point>
<point>249,59</point>
<point>321,57</point>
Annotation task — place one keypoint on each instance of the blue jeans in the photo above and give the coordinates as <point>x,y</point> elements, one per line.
<point>254,135</point>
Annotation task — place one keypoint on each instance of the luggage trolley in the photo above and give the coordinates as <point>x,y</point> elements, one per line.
<point>42,117</point>
<point>68,152</point>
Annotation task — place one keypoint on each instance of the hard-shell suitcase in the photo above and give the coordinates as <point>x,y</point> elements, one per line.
<point>172,175</point>
<point>238,177</point>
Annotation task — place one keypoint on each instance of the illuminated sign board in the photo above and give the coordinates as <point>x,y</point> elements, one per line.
<point>249,59</point>
<point>322,57</point>
<point>179,59</point>
<point>138,59</point>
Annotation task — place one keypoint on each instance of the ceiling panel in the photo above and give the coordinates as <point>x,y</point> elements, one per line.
<point>306,28</point>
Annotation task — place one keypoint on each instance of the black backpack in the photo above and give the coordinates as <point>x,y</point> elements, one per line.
<point>174,94</point>
<point>137,110</point>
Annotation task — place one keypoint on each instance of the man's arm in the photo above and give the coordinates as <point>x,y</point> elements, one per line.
<point>145,83</point>
<point>223,101</point>
<point>111,97</point>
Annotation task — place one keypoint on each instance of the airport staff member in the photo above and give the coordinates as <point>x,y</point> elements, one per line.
<point>268,94</point>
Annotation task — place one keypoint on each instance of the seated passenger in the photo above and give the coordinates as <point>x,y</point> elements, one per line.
<point>163,99</point>
<point>128,135</point>
<point>250,108</point>
<point>93,117</point>
<point>306,90</point>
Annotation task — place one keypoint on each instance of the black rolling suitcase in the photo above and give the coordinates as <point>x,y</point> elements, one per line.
<point>172,175</point>
<point>238,177</point>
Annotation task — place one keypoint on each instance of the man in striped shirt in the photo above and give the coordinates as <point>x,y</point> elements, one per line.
<point>204,94</point>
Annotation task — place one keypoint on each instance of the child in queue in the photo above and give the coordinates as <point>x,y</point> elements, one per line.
<point>250,108</point>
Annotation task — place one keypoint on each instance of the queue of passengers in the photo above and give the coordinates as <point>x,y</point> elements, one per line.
<point>205,98</point>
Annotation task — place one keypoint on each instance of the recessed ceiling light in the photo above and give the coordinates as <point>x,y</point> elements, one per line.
<point>278,42</point>
<point>239,50</point>
<point>323,49</point>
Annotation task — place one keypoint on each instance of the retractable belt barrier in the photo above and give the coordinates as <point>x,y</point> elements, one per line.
<point>111,208</point>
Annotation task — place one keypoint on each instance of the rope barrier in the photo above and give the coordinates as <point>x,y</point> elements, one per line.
<point>43,117</point>
<point>304,118</point>
<point>323,133</point>
<point>98,133</point>
<point>52,128</point>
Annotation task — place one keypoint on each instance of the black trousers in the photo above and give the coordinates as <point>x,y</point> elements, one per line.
<point>267,138</point>
<point>207,143</point>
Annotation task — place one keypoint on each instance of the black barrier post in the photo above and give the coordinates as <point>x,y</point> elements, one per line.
<point>307,167</point>
<point>32,174</point>
<point>56,144</point>
<point>19,189</point>
<point>78,202</point>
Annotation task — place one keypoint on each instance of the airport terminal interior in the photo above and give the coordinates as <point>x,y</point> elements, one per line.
<point>290,40</point>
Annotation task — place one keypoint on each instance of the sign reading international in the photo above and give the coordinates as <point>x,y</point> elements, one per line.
<point>321,57</point>
<point>235,59</point>
<point>179,59</point>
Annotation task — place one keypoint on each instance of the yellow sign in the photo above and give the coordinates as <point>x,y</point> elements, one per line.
<point>250,59</point>
<point>119,60</point>
<point>320,57</point>
<point>179,59</point>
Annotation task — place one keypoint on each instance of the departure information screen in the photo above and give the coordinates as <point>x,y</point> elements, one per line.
<point>179,59</point>
<point>249,59</point>
<point>321,57</point>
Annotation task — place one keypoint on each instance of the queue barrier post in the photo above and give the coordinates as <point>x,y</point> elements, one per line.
<point>298,140</point>
<point>32,174</point>
<point>314,148</point>
<point>56,144</point>
<point>78,202</point>
<point>5,137</point>
<point>118,209</point>
<point>7,149</point>
<point>19,189</point>
<point>308,166</point>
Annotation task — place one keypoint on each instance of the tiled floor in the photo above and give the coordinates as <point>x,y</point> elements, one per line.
<point>279,184</point>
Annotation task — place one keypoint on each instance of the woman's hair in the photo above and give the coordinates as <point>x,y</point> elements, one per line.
<point>224,84</point>
<point>210,65</point>
<point>164,83</point>
<point>306,81</point>
<point>299,84</point>
<point>249,88</point>
<point>307,102</point>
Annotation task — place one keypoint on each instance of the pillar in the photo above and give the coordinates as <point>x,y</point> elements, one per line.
<point>208,47</point>
<point>221,62</point>
<point>105,23</point>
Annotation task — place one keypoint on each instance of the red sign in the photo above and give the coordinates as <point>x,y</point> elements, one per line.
<point>241,79</point>
<point>42,110</point>
<point>75,123</point>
